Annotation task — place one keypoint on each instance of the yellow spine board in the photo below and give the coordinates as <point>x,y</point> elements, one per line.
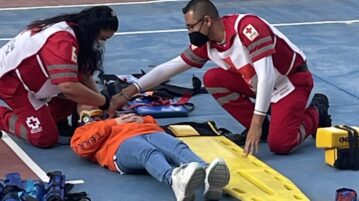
<point>332,137</point>
<point>251,179</point>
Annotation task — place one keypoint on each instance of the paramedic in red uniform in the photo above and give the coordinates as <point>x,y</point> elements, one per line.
<point>54,56</point>
<point>258,68</point>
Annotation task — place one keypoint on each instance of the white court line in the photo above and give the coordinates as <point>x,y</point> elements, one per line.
<point>184,30</point>
<point>150,32</point>
<point>25,158</point>
<point>86,5</point>
<point>29,162</point>
<point>318,22</point>
<point>276,25</point>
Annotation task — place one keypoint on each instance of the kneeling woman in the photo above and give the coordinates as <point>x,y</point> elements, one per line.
<point>46,70</point>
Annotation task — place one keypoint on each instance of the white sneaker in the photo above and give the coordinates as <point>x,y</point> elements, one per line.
<point>186,179</point>
<point>217,177</point>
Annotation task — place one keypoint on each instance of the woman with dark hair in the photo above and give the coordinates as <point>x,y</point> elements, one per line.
<point>53,56</point>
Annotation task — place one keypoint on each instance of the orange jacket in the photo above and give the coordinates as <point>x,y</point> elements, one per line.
<point>100,140</point>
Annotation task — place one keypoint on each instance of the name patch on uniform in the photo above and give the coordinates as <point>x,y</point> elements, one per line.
<point>250,32</point>
<point>74,55</point>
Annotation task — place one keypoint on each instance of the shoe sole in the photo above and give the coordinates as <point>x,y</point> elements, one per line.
<point>218,178</point>
<point>196,180</point>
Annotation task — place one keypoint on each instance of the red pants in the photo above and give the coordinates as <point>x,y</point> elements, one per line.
<point>38,127</point>
<point>290,123</point>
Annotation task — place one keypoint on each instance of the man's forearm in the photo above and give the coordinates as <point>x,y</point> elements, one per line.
<point>162,73</point>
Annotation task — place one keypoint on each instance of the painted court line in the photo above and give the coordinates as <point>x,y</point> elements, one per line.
<point>86,5</point>
<point>29,162</point>
<point>276,25</point>
<point>316,23</point>
<point>184,30</point>
<point>25,158</point>
<point>150,32</point>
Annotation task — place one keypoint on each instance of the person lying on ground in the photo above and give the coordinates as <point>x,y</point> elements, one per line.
<point>132,144</point>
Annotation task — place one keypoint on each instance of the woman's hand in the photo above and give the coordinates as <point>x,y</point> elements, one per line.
<point>128,118</point>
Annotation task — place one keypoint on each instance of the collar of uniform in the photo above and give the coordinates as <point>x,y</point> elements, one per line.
<point>228,22</point>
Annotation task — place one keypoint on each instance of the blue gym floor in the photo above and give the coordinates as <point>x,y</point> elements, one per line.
<point>153,33</point>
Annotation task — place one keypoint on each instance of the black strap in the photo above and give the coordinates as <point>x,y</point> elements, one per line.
<point>180,91</point>
<point>114,85</point>
<point>29,198</point>
<point>349,159</point>
<point>208,128</point>
<point>10,196</point>
<point>188,106</point>
<point>80,196</point>
<point>106,105</point>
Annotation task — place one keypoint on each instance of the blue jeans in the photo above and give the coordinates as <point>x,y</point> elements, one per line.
<point>157,153</point>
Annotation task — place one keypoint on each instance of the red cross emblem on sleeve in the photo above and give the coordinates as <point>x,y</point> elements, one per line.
<point>250,32</point>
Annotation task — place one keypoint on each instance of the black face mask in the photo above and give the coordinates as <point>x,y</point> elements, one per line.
<point>198,39</point>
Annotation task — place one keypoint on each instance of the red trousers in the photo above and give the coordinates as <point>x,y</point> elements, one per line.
<point>38,127</point>
<point>290,122</point>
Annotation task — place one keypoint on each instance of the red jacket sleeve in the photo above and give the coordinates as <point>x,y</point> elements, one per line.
<point>257,36</point>
<point>89,138</point>
<point>60,57</point>
<point>195,56</point>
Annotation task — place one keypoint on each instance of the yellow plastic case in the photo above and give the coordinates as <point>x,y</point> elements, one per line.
<point>332,137</point>
<point>330,156</point>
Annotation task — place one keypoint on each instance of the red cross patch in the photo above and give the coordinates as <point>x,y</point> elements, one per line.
<point>250,32</point>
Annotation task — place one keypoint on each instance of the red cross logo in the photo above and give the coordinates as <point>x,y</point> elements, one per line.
<point>33,122</point>
<point>249,30</point>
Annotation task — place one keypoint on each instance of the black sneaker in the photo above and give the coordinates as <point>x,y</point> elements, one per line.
<point>240,139</point>
<point>321,103</point>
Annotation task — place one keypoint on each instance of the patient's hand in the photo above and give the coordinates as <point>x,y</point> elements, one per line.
<point>128,118</point>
